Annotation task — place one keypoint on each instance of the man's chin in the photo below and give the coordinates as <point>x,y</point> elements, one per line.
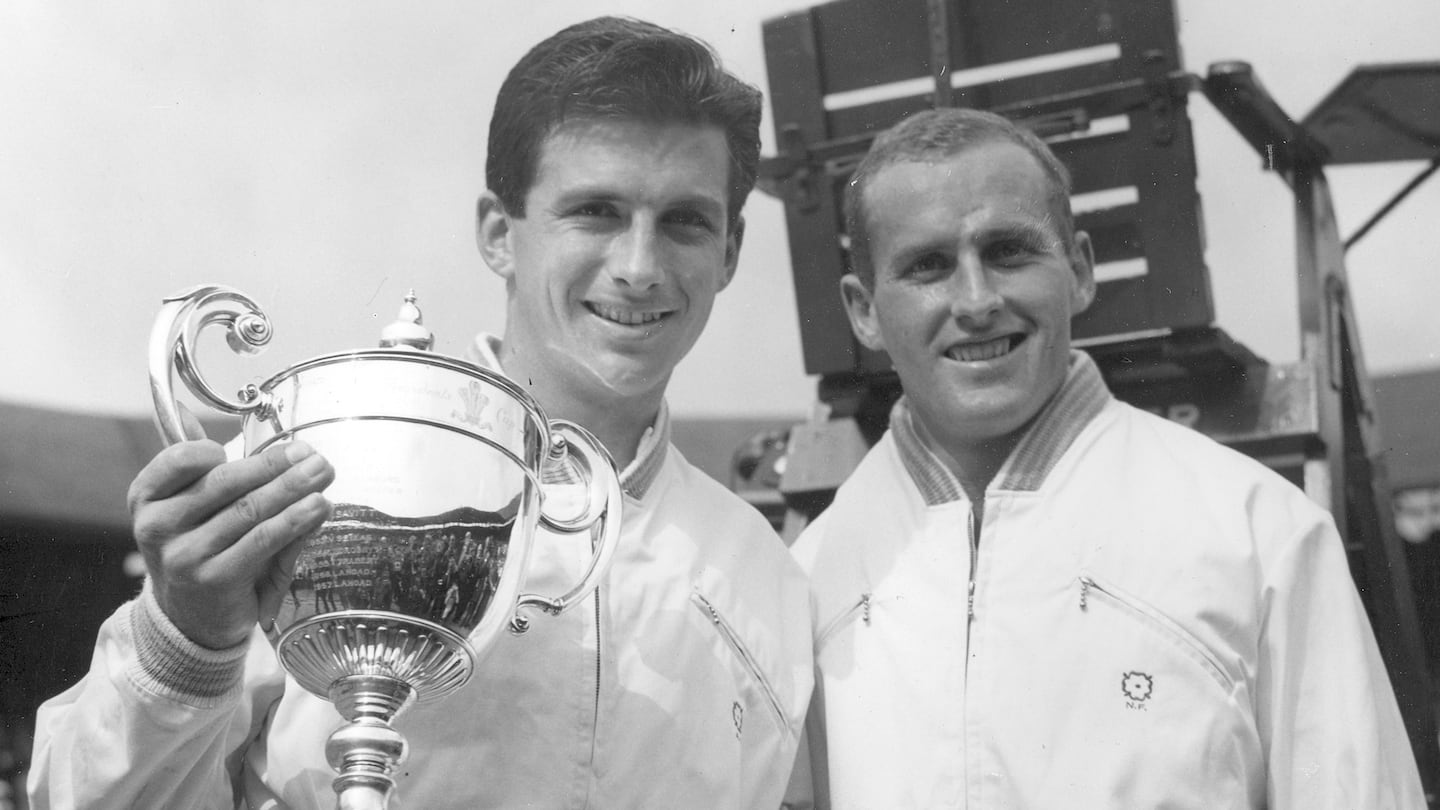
<point>986,415</point>
<point>625,377</point>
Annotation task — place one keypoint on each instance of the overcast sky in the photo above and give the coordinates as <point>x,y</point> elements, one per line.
<point>325,156</point>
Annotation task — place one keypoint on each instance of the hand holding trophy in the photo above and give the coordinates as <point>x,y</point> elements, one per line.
<point>442,473</point>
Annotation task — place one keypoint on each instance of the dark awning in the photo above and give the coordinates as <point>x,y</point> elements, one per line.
<point>71,469</point>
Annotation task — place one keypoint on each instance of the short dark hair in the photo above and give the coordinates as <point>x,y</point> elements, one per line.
<point>618,68</point>
<point>932,136</point>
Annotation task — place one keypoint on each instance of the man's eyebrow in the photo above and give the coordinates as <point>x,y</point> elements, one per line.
<point>699,202</point>
<point>1028,232</point>
<point>585,193</point>
<point>913,252</point>
<point>598,193</point>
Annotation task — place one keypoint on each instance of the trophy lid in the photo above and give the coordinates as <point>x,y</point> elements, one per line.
<point>406,331</point>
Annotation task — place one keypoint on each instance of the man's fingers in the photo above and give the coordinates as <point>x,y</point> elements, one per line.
<point>266,495</point>
<point>267,552</point>
<point>243,488</point>
<point>174,469</point>
<point>227,500</point>
<point>272,588</point>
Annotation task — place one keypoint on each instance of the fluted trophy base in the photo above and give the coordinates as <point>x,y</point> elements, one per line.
<point>372,665</point>
<point>431,659</point>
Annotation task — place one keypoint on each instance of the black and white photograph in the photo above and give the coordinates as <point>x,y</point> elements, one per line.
<point>771,404</point>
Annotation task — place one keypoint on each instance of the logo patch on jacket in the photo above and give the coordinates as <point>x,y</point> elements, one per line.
<point>1137,687</point>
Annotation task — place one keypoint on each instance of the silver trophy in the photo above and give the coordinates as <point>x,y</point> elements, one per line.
<point>443,470</point>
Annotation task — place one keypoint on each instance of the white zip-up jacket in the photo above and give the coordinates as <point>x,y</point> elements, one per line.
<point>1144,619</point>
<point>683,684</point>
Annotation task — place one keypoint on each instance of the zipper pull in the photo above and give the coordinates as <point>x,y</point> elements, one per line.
<point>1084,591</point>
<point>865,608</point>
<point>970,600</point>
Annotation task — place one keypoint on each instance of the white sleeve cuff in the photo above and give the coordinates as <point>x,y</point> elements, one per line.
<point>172,665</point>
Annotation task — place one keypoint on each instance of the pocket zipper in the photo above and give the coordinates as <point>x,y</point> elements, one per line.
<point>860,608</point>
<point>736,646</point>
<point>1162,624</point>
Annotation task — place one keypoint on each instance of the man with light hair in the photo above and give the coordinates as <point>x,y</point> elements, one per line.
<point>1032,595</point>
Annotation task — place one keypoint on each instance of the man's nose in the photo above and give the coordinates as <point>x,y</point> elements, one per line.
<point>638,259</point>
<point>974,297</point>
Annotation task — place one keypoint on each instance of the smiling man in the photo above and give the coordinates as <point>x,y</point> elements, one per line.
<point>612,264</point>
<point>620,156</point>
<point>1031,595</point>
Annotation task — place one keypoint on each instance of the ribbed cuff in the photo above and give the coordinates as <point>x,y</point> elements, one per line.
<point>173,665</point>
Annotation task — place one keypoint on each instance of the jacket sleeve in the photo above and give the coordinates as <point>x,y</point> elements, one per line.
<point>1325,708</point>
<point>158,722</point>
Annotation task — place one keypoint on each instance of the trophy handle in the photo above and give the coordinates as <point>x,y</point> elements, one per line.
<point>172,342</point>
<point>570,442</point>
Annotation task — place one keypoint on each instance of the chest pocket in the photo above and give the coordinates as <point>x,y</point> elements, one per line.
<point>1154,626</point>
<point>757,692</point>
<point>1142,711</point>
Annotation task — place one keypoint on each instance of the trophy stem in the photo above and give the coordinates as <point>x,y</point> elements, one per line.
<point>366,750</point>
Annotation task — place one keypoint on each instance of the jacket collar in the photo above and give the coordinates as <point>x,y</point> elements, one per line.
<point>1080,399</point>
<point>641,473</point>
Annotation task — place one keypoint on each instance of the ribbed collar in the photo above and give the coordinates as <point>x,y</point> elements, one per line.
<point>1080,399</point>
<point>641,473</point>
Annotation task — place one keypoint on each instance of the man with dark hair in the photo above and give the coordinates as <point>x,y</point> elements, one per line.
<point>1032,595</point>
<point>617,68</point>
<point>620,156</point>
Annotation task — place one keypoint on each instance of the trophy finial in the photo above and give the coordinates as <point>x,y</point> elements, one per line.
<point>406,331</point>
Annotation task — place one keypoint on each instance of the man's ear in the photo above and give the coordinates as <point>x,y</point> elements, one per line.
<point>860,306</point>
<point>492,235</point>
<point>733,240</point>
<point>1082,261</point>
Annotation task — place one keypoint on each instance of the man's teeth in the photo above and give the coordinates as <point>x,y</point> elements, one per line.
<point>625,316</point>
<point>971,352</point>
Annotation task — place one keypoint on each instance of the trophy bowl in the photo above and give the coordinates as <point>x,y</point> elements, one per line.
<point>443,471</point>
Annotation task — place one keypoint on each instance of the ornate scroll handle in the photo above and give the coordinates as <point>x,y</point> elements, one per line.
<point>172,348</point>
<point>571,443</point>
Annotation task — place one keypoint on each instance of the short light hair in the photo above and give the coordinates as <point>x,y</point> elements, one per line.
<point>933,136</point>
